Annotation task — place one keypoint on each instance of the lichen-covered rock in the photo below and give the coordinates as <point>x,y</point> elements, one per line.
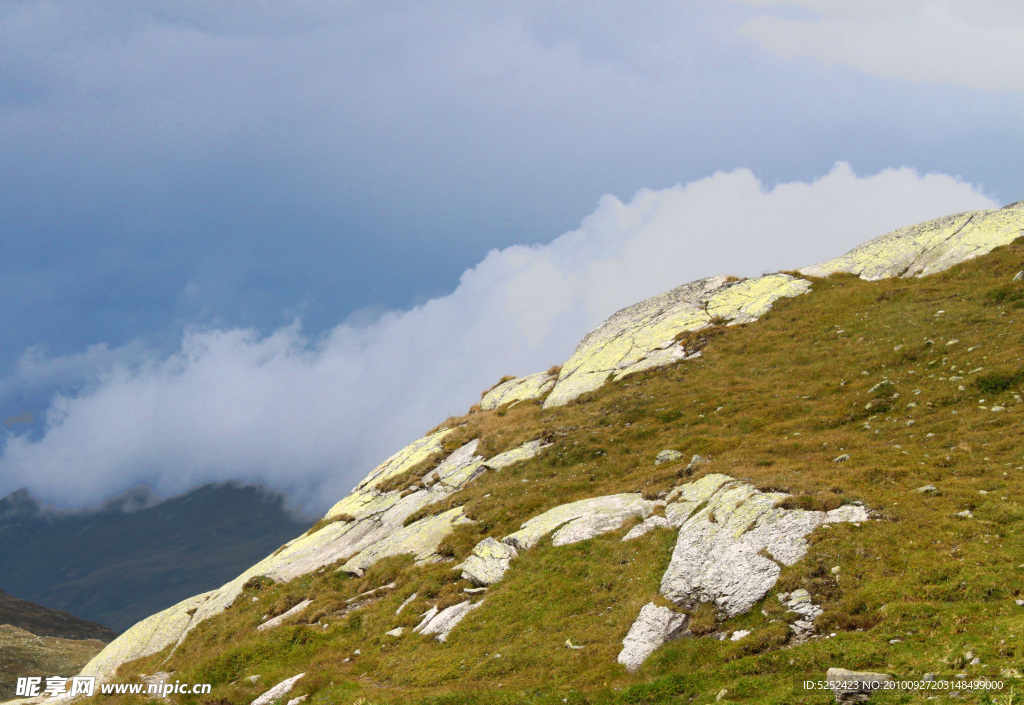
<point>648,524</point>
<point>519,389</point>
<point>279,690</point>
<point>440,624</point>
<point>413,454</point>
<point>667,456</point>
<point>583,519</point>
<point>644,335</point>
<point>729,552</point>
<point>419,538</point>
<point>375,517</point>
<point>152,634</point>
<point>516,455</point>
<point>930,247</point>
<point>652,628</point>
<point>488,562</point>
<point>280,619</point>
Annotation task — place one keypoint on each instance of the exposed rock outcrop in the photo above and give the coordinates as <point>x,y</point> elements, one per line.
<point>278,691</point>
<point>927,248</point>
<point>440,623</point>
<point>729,551</point>
<point>643,336</point>
<point>652,628</point>
<point>580,520</point>
<point>369,525</point>
<point>488,562</point>
<point>281,618</point>
<point>519,389</point>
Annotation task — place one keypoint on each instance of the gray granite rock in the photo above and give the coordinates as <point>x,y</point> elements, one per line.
<point>440,624</point>
<point>652,628</point>
<point>278,691</point>
<point>667,456</point>
<point>488,562</point>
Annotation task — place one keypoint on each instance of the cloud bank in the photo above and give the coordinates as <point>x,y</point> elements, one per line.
<point>969,43</point>
<point>312,415</point>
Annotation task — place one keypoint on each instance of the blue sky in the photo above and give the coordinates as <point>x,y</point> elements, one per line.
<point>275,241</point>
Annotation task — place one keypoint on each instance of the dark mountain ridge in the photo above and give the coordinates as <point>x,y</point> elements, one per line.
<point>136,554</point>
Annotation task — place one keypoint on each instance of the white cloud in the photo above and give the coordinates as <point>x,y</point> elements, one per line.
<point>312,416</point>
<point>971,43</point>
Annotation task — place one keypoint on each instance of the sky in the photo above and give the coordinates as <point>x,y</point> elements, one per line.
<point>274,242</point>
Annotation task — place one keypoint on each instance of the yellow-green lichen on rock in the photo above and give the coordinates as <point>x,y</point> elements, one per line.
<point>413,454</point>
<point>605,513</point>
<point>929,247</point>
<point>149,636</point>
<point>643,336</point>
<point>420,538</point>
<point>516,455</point>
<point>377,522</point>
<point>519,389</point>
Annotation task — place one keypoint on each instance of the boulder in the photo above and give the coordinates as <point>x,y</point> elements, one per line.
<point>653,627</point>
<point>667,456</point>
<point>854,686</point>
<point>488,562</point>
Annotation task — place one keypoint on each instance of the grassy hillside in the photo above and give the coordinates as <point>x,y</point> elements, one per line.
<point>918,381</point>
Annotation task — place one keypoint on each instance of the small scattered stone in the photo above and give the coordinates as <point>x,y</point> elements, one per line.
<point>975,661</point>
<point>667,456</point>
<point>841,458</point>
<point>570,645</point>
<point>928,677</point>
<point>721,694</point>
<point>835,570</point>
<point>954,341</point>
<point>1020,603</point>
<point>895,641</point>
<point>965,514</point>
<point>300,699</point>
<point>927,489</point>
<point>739,634</point>
<point>397,631</point>
<point>1018,276</point>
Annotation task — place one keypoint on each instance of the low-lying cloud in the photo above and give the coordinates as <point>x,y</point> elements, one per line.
<point>311,416</point>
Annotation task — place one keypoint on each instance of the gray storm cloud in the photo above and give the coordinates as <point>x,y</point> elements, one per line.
<point>310,415</point>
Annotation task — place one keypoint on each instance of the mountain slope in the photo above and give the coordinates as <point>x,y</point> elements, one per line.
<point>116,567</point>
<point>43,621</point>
<point>862,445</point>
